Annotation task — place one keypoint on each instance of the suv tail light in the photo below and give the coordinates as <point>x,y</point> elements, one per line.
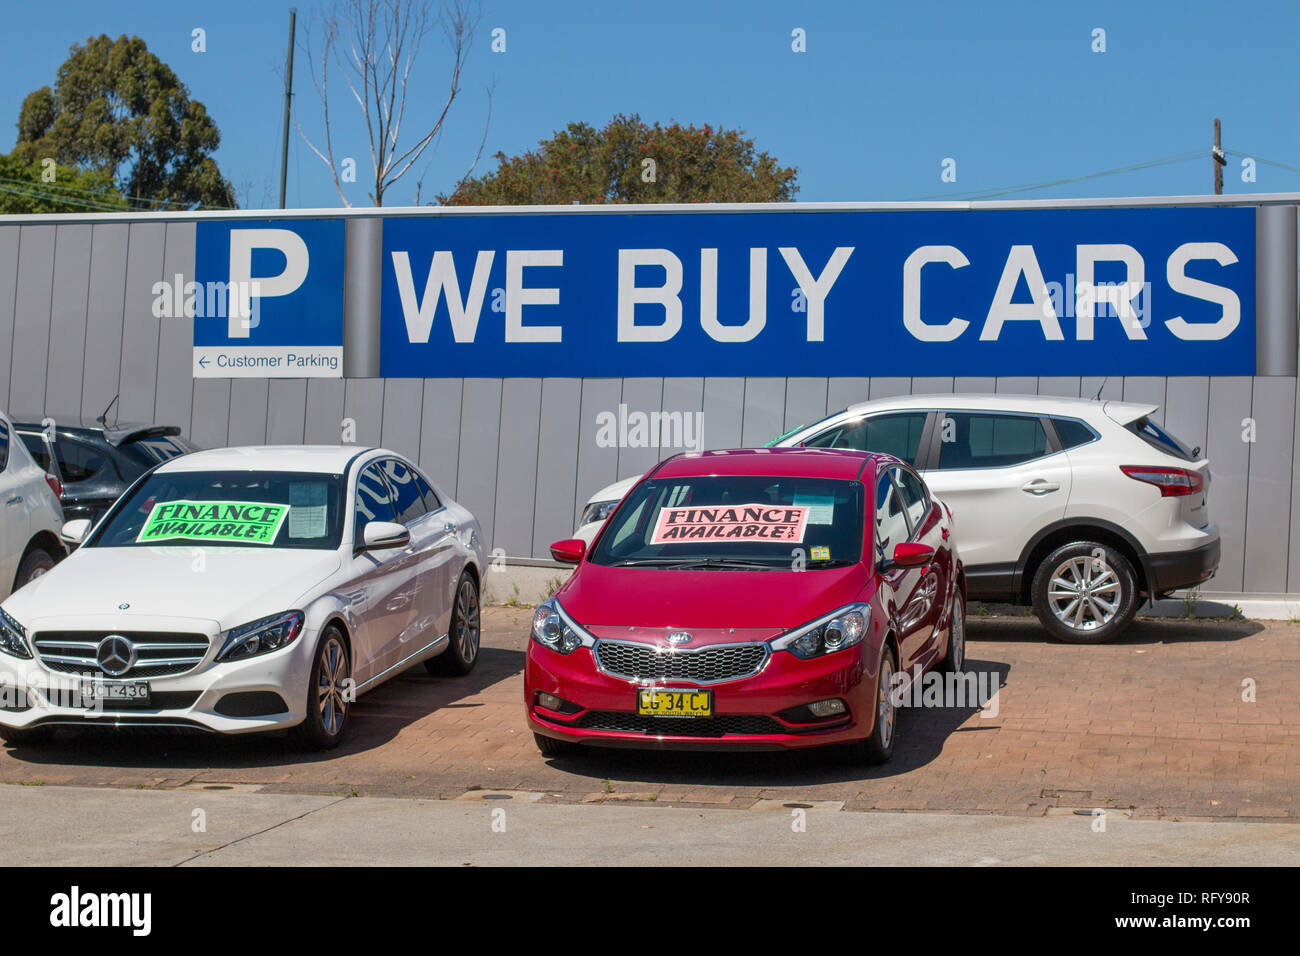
<point>56,486</point>
<point>1172,482</point>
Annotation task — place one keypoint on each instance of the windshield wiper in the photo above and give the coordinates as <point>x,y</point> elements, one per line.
<point>726,564</point>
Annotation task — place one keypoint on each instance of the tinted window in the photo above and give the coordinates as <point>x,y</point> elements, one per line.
<point>373,500</point>
<point>1157,437</point>
<point>228,509</point>
<point>77,462</point>
<point>152,451</point>
<point>756,519</point>
<point>898,435</point>
<point>431,501</point>
<point>977,440</point>
<point>915,500</point>
<point>4,444</point>
<point>36,445</point>
<point>1072,432</point>
<point>409,499</point>
<point>891,521</point>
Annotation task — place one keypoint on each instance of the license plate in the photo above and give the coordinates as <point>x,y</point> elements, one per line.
<point>664,702</point>
<point>130,692</point>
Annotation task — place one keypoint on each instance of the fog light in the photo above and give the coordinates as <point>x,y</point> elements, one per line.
<point>827,708</point>
<point>550,701</point>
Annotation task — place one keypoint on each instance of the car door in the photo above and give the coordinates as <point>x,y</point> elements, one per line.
<point>13,517</point>
<point>900,585</point>
<point>384,583</point>
<point>1004,477</point>
<point>924,607</point>
<point>433,550</point>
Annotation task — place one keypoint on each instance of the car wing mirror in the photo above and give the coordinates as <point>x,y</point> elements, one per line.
<point>74,532</point>
<point>911,554</point>
<point>569,551</point>
<point>381,535</point>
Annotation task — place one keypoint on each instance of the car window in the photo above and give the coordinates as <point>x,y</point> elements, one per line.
<point>1157,437</point>
<point>431,500</point>
<point>894,434</point>
<point>982,440</point>
<point>408,498</point>
<point>1073,432</point>
<point>40,451</point>
<point>891,520</point>
<point>77,462</point>
<point>915,500</point>
<point>4,444</point>
<point>373,500</point>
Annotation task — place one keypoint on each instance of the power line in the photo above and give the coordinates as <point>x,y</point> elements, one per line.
<point>1009,190</point>
<point>1260,159</point>
<point>86,204</point>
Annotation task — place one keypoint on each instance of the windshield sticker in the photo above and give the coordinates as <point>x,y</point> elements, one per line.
<point>821,510</point>
<point>821,554</point>
<point>307,509</point>
<point>755,522</point>
<point>245,522</point>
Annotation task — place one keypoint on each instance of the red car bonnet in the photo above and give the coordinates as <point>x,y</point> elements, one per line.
<point>602,597</point>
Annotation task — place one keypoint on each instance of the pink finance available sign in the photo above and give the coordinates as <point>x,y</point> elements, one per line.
<point>756,522</point>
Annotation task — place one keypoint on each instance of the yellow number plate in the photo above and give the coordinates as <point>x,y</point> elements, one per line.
<point>664,702</point>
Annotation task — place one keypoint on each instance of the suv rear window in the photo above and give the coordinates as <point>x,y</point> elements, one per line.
<point>1158,438</point>
<point>1073,432</point>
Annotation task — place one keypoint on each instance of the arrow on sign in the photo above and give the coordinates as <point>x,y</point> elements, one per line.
<point>203,362</point>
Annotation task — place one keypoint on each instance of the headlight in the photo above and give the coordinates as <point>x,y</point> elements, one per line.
<point>826,635</point>
<point>598,511</point>
<point>13,637</point>
<point>554,629</point>
<point>261,637</point>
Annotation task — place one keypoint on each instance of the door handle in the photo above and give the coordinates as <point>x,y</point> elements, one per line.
<point>1040,486</point>
<point>15,500</point>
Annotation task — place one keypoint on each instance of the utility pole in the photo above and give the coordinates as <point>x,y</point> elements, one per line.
<point>1219,160</point>
<point>288,97</point>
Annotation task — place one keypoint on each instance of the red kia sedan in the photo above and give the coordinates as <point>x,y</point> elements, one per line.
<point>758,598</point>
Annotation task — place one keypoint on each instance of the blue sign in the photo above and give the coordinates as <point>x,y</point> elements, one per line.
<point>833,293</point>
<point>268,298</point>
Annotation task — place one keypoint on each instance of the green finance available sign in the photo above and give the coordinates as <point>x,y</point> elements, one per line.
<point>242,522</point>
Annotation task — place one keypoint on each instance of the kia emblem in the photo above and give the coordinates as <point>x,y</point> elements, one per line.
<point>679,637</point>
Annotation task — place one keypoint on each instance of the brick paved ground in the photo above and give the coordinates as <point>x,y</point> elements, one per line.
<point>1155,723</point>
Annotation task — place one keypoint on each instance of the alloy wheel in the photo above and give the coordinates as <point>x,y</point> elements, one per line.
<point>1084,592</point>
<point>885,711</point>
<point>467,621</point>
<point>330,690</point>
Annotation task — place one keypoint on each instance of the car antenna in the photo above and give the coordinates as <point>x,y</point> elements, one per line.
<point>103,416</point>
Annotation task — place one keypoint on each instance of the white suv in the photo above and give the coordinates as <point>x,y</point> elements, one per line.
<point>30,515</point>
<point>1075,506</point>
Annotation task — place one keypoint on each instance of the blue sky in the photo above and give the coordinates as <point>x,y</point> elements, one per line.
<point>885,92</point>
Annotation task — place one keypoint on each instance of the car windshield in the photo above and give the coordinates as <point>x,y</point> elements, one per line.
<point>245,509</point>
<point>763,523</point>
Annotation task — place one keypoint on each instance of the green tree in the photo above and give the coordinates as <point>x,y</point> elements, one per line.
<point>628,162</point>
<point>117,109</point>
<point>43,188</point>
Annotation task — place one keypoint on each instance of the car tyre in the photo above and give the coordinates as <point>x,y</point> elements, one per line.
<point>879,747</point>
<point>25,735</point>
<point>328,707</point>
<point>954,661</point>
<point>465,635</point>
<point>35,563</point>
<point>550,747</point>
<point>1085,593</point>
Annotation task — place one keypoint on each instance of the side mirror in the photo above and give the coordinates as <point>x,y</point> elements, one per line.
<point>74,532</point>
<point>570,550</point>
<point>910,554</point>
<point>379,535</point>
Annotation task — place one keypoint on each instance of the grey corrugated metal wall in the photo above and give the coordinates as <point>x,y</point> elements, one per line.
<point>77,324</point>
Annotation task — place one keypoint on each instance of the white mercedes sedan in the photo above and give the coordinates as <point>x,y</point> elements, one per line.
<point>246,589</point>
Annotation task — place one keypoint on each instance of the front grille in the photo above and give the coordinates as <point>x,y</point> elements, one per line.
<point>720,726</point>
<point>156,654</point>
<point>707,665</point>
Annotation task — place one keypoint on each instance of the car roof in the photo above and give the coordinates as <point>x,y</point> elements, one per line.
<point>1006,402</point>
<point>774,462</point>
<point>325,459</point>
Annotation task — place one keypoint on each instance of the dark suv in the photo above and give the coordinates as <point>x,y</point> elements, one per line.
<point>97,462</point>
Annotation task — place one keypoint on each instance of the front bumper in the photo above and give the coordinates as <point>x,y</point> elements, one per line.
<point>1172,570</point>
<point>32,695</point>
<point>749,713</point>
